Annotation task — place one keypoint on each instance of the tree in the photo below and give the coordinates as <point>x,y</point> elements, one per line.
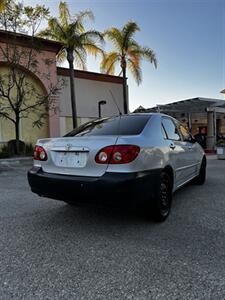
<point>19,96</point>
<point>128,53</point>
<point>70,31</point>
<point>3,5</point>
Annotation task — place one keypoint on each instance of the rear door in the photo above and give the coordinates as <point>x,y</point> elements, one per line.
<point>178,154</point>
<point>190,146</point>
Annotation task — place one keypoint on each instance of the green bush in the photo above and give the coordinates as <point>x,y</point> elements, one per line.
<point>12,147</point>
<point>29,149</point>
<point>4,152</point>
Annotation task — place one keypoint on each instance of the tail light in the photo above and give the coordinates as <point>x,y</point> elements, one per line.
<point>118,154</point>
<point>40,153</point>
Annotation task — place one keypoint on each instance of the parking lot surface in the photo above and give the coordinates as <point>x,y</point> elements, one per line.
<point>49,250</point>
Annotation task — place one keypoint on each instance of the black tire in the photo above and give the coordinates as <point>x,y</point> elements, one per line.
<point>200,179</point>
<point>161,204</point>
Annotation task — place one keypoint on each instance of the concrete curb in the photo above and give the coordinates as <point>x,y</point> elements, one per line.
<point>16,161</point>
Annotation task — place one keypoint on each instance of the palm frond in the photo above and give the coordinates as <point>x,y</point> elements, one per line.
<point>132,44</point>
<point>114,35</point>
<point>71,32</point>
<point>127,47</point>
<point>84,15</point>
<point>61,56</point>
<point>81,17</point>
<point>128,31</point>
<point>135,58</point>
<point>109,61</point>
<point>93,49</point>
<point>149,54</point>
<point>80,58</point>
<point>94,35</point>
<point>45,33</point>
<point>135,70</point>
<point>53,31</point>
<point>64,14</point>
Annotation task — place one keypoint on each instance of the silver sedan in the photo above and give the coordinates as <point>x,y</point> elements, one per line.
<point>133,159</point>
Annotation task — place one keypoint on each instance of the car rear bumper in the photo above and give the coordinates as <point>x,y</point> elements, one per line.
<point>111,186</point>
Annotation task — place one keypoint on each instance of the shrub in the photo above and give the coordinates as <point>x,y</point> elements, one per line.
<point>7,150</point>
<point>12,147</point>
<point>4,152</point>
<point>29,149</point>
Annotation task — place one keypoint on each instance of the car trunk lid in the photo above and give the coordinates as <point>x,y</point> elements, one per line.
<point>75,155</point>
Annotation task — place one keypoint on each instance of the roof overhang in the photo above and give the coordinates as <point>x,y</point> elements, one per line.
<point>25,40</point>
<point>194,105</point>
<point>90,75</point>
<point>216,109</point>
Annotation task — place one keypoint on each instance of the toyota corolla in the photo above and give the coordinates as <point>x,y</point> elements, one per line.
<point>135,158</point>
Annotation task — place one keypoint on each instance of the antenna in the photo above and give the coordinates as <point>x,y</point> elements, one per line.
<point>114,100</point>
<point>158,108</point>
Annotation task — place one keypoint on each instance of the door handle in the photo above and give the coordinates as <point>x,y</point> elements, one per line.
<point>172,146</point>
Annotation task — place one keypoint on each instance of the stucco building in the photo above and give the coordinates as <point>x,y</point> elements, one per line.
<point>199,114</point>
<point>90,88</point>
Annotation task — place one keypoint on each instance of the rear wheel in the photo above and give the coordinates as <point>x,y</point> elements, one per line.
<point>200,179</point>
<point>163,198</point>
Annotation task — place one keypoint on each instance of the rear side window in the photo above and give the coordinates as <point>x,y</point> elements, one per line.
<point>184,132</point>
<point>164,132</point>
<point>171,129</point>
<point>120,125</point>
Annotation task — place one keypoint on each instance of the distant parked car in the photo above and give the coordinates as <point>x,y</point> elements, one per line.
<point>141,158</point>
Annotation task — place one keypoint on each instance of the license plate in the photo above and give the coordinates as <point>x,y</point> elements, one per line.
<point>71,159</point>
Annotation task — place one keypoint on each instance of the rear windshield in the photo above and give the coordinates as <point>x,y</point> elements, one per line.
<point>120,125</point>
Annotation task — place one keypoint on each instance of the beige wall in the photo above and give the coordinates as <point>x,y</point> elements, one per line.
<point>66,124</point>
<point>45,71</point>
<point>28,133</point>
<point>88,93</point>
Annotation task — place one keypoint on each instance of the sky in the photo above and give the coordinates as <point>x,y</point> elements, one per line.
<point>188,37</point>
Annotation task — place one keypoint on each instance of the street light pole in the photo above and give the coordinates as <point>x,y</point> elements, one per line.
<point>100,103</point>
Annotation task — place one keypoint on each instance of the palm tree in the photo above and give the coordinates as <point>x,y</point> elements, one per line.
<point>128,53</point>
<point>77,42</point>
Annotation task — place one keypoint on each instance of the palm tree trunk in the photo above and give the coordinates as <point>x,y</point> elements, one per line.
<point>70,59</point>
<point>125,108</point>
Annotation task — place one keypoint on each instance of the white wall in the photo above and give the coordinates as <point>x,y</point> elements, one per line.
<point>88,93</point>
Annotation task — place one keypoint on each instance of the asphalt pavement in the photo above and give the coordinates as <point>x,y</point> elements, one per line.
<point>49,250</point>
